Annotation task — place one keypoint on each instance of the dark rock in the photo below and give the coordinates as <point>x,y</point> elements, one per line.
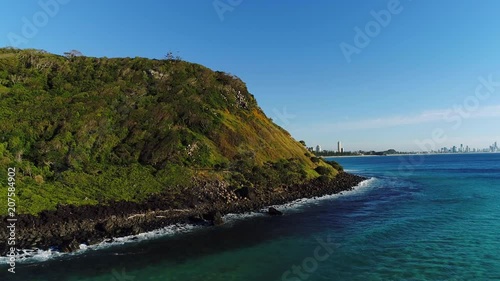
<point>100,227</point>
<point>274,212</point>
<point>210,216</point>
<point>69,246</point>
<point>215,217</point>
<point>196,219</point>
<point>218,219</point>
<point>136,229</point>
<point>246,192</point>
<point>91,240</point>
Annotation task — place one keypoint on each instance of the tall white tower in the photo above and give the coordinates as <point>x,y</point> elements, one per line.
<point>339,147</point>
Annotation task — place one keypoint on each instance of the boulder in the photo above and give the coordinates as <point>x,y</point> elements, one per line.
<point>69,246</point>
<point>274,212</point>
<point>196,219</point>
<point>218,219</point>
<point>215,217</point>
<point>246,192</point>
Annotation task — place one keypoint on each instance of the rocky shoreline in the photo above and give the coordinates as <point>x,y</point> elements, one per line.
<point>69,226</point>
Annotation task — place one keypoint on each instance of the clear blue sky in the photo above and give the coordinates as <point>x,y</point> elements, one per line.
<point>395,92</point>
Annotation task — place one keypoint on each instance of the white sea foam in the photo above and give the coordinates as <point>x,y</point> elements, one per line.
<point>37,255</point>
<point>298,204</point>
<point>166,231</point>
<point>32,255</point>
<point>237,217</point>
<point>351,171</point>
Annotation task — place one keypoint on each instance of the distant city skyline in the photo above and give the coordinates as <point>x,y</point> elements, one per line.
<point>462,148</point>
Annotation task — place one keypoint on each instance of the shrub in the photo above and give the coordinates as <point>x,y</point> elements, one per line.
<point>335,165</point>
<point>221,166</point>
<point>315,159</point>
<point>323,170</point>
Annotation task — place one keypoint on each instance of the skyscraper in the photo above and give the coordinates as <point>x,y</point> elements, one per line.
<point>318,148</point>
<point>339,147</point>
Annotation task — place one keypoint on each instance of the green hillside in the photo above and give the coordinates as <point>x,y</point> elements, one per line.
<point>83,130</point>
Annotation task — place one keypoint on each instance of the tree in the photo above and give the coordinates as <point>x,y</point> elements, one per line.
<point>170,55</point>
<point>303,142</point>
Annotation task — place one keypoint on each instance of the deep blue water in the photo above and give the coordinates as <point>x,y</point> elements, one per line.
<point>419,218</point>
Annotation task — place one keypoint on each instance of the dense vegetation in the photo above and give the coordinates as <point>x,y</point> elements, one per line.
<point>83,130</point>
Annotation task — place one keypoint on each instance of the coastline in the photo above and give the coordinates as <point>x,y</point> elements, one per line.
<point>66,228</point>
<point>413,154</point>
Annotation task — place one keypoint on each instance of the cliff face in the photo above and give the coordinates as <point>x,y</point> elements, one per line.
<point>86,131</point>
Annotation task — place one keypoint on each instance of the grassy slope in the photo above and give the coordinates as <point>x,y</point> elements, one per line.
<point>87,130</point>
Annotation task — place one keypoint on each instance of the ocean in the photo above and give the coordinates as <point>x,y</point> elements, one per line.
<point>434,217</point>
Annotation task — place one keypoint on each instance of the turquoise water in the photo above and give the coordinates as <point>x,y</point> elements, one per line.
<point>431,218</point>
